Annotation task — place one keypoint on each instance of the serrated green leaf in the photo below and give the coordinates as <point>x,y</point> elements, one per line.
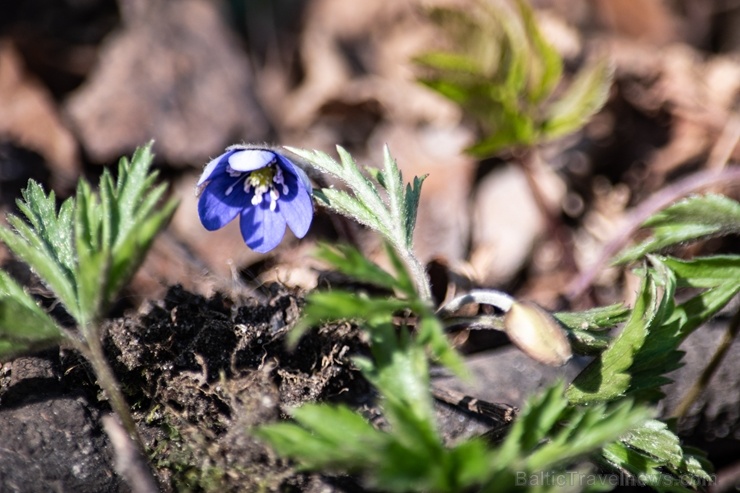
<point>129,253</point>
<point>327,437</point>
<point>585,431</point>
<point>546,64</point>
<point>450,63</point>
<point>344,204</point>
<point>607,377</point>
<point>323,306</point>
<point>599,318</point>
<point>351,262</point>
<point>581,100</point>
<point>549,432</point>
<point>93,257</point>
<point>585,329</point>
<point>689,219</point>
<point>654,438</point>
<point>24,326</point>
<point>705,272</point>
<point>533,424</point>
<point>45,242</point>
<point>411,206</point>
<point>653,453</point>
<point>514,129</point>
<point>641,466</point>
<point>694,312</point>
<point>431,333</point>
<point>588,343</point>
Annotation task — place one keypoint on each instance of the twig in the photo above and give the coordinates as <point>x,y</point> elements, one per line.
<point>659,200</point>
<point>701,383</point>
<point>129,462</point>
<point>501,414</point>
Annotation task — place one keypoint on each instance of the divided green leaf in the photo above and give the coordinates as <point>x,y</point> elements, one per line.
<point>381,202</point>
<point>581,100</point>
<point>24,326</point>
<point>45,242</point>
<point>654,454</point>
<point>91,247</point>
<point>503,73</point>
<point>689,219</point>
<point>608,376</point>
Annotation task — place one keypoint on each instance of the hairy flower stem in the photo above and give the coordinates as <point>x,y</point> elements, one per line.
<point>418,274</point>
<point>701,383</point>
<point>499,299</point>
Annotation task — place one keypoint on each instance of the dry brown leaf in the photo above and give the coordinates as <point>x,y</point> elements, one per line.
<point>173,74</point>
<point>28,115</point>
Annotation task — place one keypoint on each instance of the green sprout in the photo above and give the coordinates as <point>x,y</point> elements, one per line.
<point>85,251</point>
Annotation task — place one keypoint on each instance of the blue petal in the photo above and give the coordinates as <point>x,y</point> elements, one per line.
<point>262,229</point>
<point>215,167</point>
<point>216,208</point>
<point>250,159</point>
<point>291,166</point>
<point>296,207</point>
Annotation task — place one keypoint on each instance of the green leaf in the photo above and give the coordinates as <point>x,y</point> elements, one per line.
<point>450,63</point>
<point>694,312</point>
<point>653,453</point>
<point>599,318</point>
<point>136,215</point>
<point>431,333</point>
<point>91,248</point>
<point>585,329</point>
<point>93,257</point>
<point>344,204</point>
<point>689,219</point>
<point>351,262</point>
<point>324,306</point>
<point>24,326</point>
<point>402,207</point>
<point>607,377</point>
<point>411,206</point>
<point>581,100</point>
<point>705,272</point>
<point>620,457</point>
<point>547,65</point>
<point>584,431</point>
<point>550,433</point>
<point>327,437</point>
<point>514,129</point>
<point>45,241</point>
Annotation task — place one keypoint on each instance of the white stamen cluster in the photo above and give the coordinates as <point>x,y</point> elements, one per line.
<point>265,181</point>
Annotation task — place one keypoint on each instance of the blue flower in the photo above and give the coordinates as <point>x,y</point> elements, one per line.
<point>264,188</point>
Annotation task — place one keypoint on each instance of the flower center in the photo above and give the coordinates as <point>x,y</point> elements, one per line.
<point>267,181</point>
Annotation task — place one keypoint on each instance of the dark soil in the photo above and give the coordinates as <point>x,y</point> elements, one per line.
<point>201,373</point>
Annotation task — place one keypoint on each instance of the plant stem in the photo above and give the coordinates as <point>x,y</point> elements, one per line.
<point>499,299</point>
<point>701,383</point>
<point>109,384</point>
<point>418,273</point>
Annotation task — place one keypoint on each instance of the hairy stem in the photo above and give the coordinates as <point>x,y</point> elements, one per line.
<point>418,273</point>
<point>498,299</point>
